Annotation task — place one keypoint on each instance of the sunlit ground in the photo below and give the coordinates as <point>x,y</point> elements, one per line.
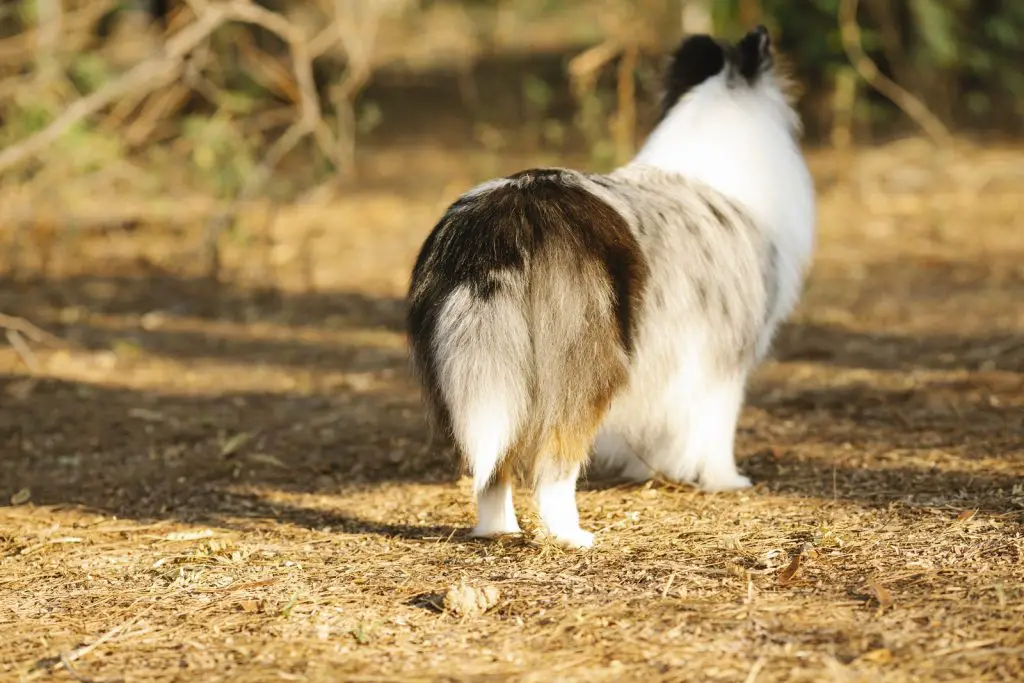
<point>235,482</point>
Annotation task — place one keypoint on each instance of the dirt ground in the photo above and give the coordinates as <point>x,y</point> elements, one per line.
<point>235,482</point>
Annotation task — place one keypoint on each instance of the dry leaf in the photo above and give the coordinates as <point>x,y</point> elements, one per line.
<point>267,459</point>
<point>250,606</point>
<point>21,497</point>
<point>233,444</point>
<point>787,574</point>
<point>880,656</point>
<point>466,600</point>
<point>881,594</point>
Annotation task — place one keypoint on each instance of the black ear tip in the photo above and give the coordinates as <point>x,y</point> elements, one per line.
<point>761,31</point>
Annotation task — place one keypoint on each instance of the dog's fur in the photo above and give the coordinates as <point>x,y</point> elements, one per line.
<point>555,311</point>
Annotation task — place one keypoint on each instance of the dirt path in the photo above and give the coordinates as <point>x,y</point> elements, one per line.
<point>235,484</point>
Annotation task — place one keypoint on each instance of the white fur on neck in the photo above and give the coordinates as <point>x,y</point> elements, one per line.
<point>741,141</point>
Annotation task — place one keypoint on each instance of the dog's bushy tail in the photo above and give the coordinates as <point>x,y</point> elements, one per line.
<point>521,320</point>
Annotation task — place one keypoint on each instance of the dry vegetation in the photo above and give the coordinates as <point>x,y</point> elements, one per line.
<point>237,485</point>
<point>229,478</point>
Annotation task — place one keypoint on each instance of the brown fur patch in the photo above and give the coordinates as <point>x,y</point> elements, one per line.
<point>566,446</point>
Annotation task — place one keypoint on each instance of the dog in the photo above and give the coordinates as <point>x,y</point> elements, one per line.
<point>557,317</point>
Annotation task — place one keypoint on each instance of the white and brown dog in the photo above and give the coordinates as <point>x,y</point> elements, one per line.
<point>554,313</point>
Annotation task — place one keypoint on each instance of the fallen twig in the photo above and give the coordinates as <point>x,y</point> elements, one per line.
<point>23,350</point>
<point>23,327</point>
<point>46,666</point>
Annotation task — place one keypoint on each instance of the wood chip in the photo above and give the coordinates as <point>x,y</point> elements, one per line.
<point>787,574</point>
<point>881,593</point>
<point>465,601</point>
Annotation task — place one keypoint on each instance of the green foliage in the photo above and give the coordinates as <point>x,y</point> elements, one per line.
<point>24,119</point>
<point>222,158</point>
<point>369,116</point>
<point>596,109</point>
<point>237,102</point>
<point>89,71</point>
<point>26,12</point>
<point>995,56</point>
<point>86,149</point>
<point>935,21</point>
<point>80,150</point>
<point>962,57</point>
<point>537,94</point>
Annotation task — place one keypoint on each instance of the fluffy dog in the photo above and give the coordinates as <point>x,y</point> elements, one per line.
<point>555,315</point>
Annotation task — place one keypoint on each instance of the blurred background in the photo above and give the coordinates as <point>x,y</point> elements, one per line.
<point>177,162</point>
<point>186,117</point>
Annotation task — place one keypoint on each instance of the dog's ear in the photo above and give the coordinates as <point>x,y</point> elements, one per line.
<point>698,58</point>
<point>755,52</point>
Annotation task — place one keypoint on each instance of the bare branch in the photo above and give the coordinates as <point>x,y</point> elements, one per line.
<point>78,25</point>
<point>584,66</point>
<point>357,25</point>
<point>24,351</point>
<point>23,327</point>
<point>50,15</point>
<point>310,115</point>
<point>625,118</point>
<point>149,75</point>
<point>869,71</point>
<point>323,42</point>
<point>154,73</point>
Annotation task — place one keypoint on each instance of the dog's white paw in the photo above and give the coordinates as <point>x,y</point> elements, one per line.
<point>487,530</point>
<point>721,484</point>
<point>576,538</point>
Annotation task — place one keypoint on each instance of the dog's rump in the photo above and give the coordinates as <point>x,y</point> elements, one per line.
<point>523,306</point>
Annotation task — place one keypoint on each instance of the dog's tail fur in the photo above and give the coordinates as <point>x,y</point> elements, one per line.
<point>521,322</point>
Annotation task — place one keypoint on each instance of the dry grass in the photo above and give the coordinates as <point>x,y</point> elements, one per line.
<point>237,485</point>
